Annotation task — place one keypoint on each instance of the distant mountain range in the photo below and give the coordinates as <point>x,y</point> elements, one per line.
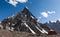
<point>54,25</point>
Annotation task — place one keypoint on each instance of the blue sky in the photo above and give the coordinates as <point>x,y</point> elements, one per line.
<point>44,10</point>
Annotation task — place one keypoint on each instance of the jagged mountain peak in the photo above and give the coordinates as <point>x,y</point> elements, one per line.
<point>24,21</point>
<point>26,11</point>
<point>54,25</point>
<point>54,21</point>
<point>26,7</point>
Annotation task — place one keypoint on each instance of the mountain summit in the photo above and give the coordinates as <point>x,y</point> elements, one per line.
<point>24,21</point>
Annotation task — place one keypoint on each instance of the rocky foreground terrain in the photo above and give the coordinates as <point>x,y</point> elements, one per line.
<point>6,33</point>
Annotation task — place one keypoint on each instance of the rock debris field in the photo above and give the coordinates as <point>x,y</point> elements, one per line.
<point>6,33</point>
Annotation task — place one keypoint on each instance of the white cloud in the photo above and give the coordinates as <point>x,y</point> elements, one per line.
<point>59,19</point>
<point>15,2</point>
<point>40,17</point>
<point>51,12</point>
<point>44,14</point>
<point>22,1</point>
<point>53,21</point>
<point>38,20</point>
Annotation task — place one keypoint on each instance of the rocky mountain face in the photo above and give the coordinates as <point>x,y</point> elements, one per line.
<point>54,25</point>
<point>24,21</point>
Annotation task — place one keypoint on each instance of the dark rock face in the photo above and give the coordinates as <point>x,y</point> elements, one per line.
<point>24,21</point>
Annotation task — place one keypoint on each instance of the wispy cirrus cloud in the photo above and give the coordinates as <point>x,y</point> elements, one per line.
<point>15,2</point>
<point>46,14</point>
<point>51,12</point>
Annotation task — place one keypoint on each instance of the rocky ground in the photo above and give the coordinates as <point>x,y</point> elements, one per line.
<point>6,33</point>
